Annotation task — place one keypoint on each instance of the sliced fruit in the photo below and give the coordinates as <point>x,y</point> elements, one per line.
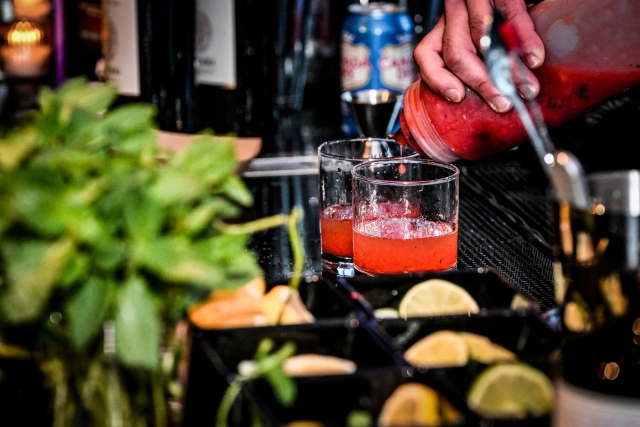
<point>519,301</point>
<point>253,289</point>
<point>386,313</point>
<point>486,351</point>
<point>411,404</point>
<point>283,305</point>
<point>302,365</point>
<point>228,312</point>
<point>449,415</point>
<point>439,349</point>
<point>511,390</point>
<point>435,297</point>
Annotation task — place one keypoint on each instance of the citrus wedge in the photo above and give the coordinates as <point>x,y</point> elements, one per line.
<point>302,365</point>
<point>283,305</point>
<point>435,297</point>
<point>519,301</point>
<point>386,313</point>
<point>484,350</point>
<point>411,404</point>
<point>511,390</point>
<point>439,349</point>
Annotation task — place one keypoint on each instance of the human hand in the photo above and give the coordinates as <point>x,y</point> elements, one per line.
<point>447,56</point>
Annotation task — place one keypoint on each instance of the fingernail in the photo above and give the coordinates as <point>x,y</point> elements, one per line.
<point>453,95</point>
<point>501,104</point>
<point>532,60</point>
<point>527,91</point>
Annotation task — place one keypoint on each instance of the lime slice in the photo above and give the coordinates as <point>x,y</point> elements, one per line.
<point>436,297</point>
<point>519,301</point>
<point>386,313</point>
<point>439,349</point>
<point>411,404</point>
<point>486,351</point>
<point>511,390</point>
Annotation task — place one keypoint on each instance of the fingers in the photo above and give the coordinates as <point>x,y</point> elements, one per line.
<point>460,54</point>
<point>428,58</point>
<point>515,12</point>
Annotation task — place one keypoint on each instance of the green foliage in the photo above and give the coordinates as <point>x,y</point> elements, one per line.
<point>93,225</point>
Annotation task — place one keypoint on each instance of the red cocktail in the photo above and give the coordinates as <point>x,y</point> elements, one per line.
<point>336,160</point>
<point>405,216</point>
<point>403,245</point>
<point>336,231</point>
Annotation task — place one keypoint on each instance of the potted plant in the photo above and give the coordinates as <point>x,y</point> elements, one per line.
<point>105,241</point>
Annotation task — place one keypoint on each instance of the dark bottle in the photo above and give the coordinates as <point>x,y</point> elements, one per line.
<point>251,63</point>
<point>235,74</point>
<point>599,251</point>
<point>83,38</point>
<point>147,55</point>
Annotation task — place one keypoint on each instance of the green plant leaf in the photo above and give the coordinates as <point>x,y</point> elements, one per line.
<point>143,216</point>
<point>175,260</point>
<point>235,189</point>
<point>76,270</point>
<point>284,388</point>
<point>16,147</point>
<point>176,187</point>
<point>33,268</point>
<point>210,160</point>
<point>130,118</point>
<point>88,309</point>
<point>137,325</point>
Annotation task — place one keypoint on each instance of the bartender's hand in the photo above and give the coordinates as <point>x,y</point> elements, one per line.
<point>447,56</point>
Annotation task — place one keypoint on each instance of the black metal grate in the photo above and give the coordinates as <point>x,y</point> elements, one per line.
<point>504,225</point>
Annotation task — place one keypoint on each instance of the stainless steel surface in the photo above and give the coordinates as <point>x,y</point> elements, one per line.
<point>281,166</point>
<point>374,110</point>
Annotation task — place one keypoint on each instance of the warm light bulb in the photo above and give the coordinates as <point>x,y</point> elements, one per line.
<point>24,33</point>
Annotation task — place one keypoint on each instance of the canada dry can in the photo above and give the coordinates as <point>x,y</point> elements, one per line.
<point>377,51</point>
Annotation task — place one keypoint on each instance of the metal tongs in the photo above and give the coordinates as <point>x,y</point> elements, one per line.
<point>563,169</point>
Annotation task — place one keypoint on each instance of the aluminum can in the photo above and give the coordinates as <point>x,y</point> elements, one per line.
<point>376,52</point>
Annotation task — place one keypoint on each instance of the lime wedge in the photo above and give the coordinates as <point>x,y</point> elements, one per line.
<point>386,313</point>
<point>435,297</point>
<point>438,350</point>
<point>486,351</point>
<point>511,390</point>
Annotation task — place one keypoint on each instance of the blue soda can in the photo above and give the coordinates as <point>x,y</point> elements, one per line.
<point>376,53</point>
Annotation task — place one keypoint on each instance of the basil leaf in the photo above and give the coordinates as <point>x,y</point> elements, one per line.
<point>130,118</point>
<point>235,189</point>
<point>87,310</point>
<point>175,260</point>
<point>16,147</point>
<point>33,268</point>
<point>284,388</point>
<point>137,325</point>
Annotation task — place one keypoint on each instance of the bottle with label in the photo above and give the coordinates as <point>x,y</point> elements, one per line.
<point>592,53</point>
<point>147,56</point>
<point>234,68</point>
<point>599,292</point>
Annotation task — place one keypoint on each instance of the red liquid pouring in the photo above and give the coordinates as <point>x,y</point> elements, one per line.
<point>593,53</point>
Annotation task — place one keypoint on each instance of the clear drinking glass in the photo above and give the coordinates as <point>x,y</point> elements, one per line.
<point>336,159</point>
<point>405,216</point>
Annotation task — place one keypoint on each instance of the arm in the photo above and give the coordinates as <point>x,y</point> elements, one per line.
<point>447,56</point>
